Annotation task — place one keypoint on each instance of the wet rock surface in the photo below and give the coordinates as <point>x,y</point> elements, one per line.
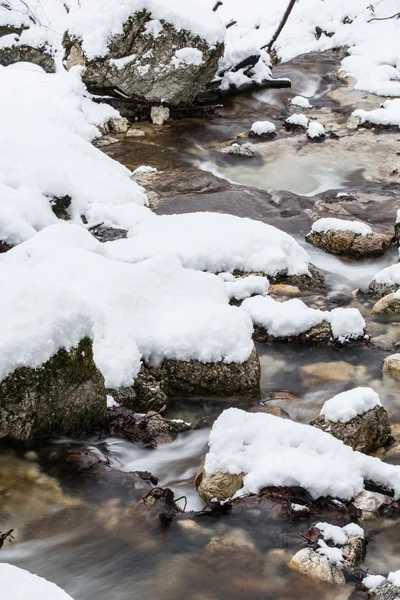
<point>388,305</point>
<point>349,244</point>
<point>364,433</point>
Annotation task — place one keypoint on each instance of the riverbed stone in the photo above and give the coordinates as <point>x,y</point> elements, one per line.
<point>391,366</point>
<point>133,59</point>
<point>371,503</point>
<point>159,114</point>
<point>386,591</point>
<point>331,372</point>
<point>64,397</point>
<point>350,244</point>
<point>388,305</point>
<point>379,290</point>
<point>237,150</point>
<point>364,433</point>
<point>219,486</point>
<point>316,565</point>
<point>281,289</point>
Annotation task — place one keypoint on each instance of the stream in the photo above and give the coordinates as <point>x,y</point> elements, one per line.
<point>78,547</point>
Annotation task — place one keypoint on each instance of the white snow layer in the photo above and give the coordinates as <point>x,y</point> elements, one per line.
<point>294,317</point>
<point>332,224</point>
<point>372,582</point>
<point>18,584</point>
<point>298,119</point>
<point>394,578</point>
<point>387,114</point>
<point>263,127</point>
<point>315,130</point>
<point>58,286</point>
<point>214,242</point>
<point>243,287</point>
<point>389,275</point>
<point>277,452</point>
<point>300,101</point>
<point>45,153</point>
<point>346,406</point>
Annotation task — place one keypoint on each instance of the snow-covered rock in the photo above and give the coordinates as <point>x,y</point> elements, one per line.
<point>276,452</point>
<point>371,582</point>
<point>262,129</point>
<point>301,102</point>
<point>387,590</point>
<point>18,584</point>
<point>387,115</point>
<point>296,121</point>
<point>356,417</point>
<point>293,318</point>
<point>316,131</point>
<point>386,281</point>
<point>347,238</point>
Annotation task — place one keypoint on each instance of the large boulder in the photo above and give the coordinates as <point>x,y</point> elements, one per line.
<point>64,397</point>
<point>350,244</point>
<point>167,66</point>
<point>365,433</point>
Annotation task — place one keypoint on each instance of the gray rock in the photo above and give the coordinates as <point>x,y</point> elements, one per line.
<point>146,394</point>
<point>154,75</point>
<point>118,125</point>
<point>379,290</point>
<point>347,243</point>
<point>365,433</point>
<point>237,150</point>
<point>23,53</point>
<point>391,366</point>
<point>159,114</point>
<point>316,565</point>
<point>371,503</point>
<point>64,397</point>
<point>386,591</point>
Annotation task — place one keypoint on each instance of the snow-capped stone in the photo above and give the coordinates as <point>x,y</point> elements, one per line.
<point>263,129</point>
<point>237,150</point>
<point>301,102</point>
<point>317,566</point>
<point>371,582</point>
<point>386,282</point>
<point>388,305</point>
<point>346,406</point>
<point>316,131</point>
<point>297,120</point>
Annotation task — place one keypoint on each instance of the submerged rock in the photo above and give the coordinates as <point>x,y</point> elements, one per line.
<point>65,396</point>
<point>350,244</point>
<point>388,305</point>
<point>172,66</point>
<point>365,433</point>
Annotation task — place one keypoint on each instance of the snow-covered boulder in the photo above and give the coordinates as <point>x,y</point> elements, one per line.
<point>391,366</point>
<point>388,305</point>
<point>154,54</point>
<point>296,121</point>
<point>348,238</point>
<point>388,589</point>
<point>386,282</point>
<point>64,396</point>
<point>301,102</point>
<point>316,132</point>
<point>18,584</point>
<point>262,129</point>
<point>271,451</point>
<point>293,319</point>
<point>356,417</point>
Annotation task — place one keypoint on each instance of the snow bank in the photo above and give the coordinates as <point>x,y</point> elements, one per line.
<point>294,317</point>
<point>214,242</point>
<point>45,153</point>
<point>332,224</point>
<point>263,127</point>
<point>147,311</point>
<point>298,120</point>
<point>315,130</point>
<point>277,452</point>
<point>18,584</point>
<point>346,406</point>
<point>301,102</point>
<point>387,114</point>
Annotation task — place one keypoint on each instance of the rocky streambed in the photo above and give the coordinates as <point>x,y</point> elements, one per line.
<point>94,514</point>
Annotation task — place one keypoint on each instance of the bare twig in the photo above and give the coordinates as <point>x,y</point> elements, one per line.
<point>384,18</point>
<point>281,25</point>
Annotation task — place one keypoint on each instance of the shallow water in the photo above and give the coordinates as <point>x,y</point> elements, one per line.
<point>81,548</point>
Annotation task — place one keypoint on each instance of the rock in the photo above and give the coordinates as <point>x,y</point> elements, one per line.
<point>135,133</point>
<point>159,114</point>
<point>316,565</point>
<point>237,150</point>
<point>188,378</point>
<point>352,245</point>
<point>365,433</point>
<point>60,207</point>
<point>24,53</point>
<point>391,366</point>
<point>235,538</point>
<point>280,289</point>
<point>379,290</point>
<point>106,140</point>
<point>118,125</point>
<point>108,234</point>
<point>64,397</point>
<point>337,371</point>
<point>371,503</point>
<point>132,63</point>
<point>220,486</point>
<point>4,246</point>
<point>314,281</point>
<point>386,591</point>
<point>388,305</point>
<point>353,122</point>
<point>397,229</point>
<point>145,394</point>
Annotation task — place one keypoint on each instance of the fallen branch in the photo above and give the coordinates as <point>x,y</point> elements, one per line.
<point>384,18</point>
<point>281,26</point>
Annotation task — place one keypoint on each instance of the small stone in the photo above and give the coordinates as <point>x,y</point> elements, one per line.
<point>119,125</point>
<point>159,114</point>
<point>316,565</point>
<point>135,133</point>
<point>370,503</point>
<point>219,486</point>
<point>31,455</point>
<point>190,526</point>
<point>277,411</point>
<point>391,366</point>
<point>388,305</point>
<point>280,289</point>
<point>353,122</point>
<point>105,141</point>
<point>237,150</point>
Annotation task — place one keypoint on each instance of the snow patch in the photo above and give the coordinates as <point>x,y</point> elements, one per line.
<point>332,224</point>
<point>346,406</point>
<point>263,127</point>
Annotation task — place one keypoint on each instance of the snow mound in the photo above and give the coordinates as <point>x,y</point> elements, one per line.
<point>241,288</point>
<point>263,127</point>
<point>315,130</point>
<point>214,242</point>
<point>277,452</point>
<point>346,406</point>
<point>45,153</point>
<point>301,102</point>
<point>18,584</point>
<point>294,317</point>
<point>389,275</point>
<point>372,582</point>
<point>149,311</point>
<point>298,119</point>
<point>387,114</point>
<point>332,224</point>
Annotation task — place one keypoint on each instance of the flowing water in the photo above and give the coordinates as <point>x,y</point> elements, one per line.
<point>80,547</point>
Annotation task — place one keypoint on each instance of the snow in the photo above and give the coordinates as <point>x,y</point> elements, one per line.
<point>18,584</point>
<point>298,119</point>
<point>45,152</point>
<point>394,578</point>
<point>332,533</point>
<point>346,406</point>
<point>58,286</point>
<point>299,507</point>
<point>263,127</point>
<point>332,224</point>
<point>334,555</point>
<point>372,582</point>
<point>111,402</point>
<point>246,286</point>
<point>214,242</point>
<point>315,130</point>
<point>354,529</point>
<point>301,102</point>
<point>389,275</point>
<point>186,57</point>
<point>387,114</point>
<point>294,317</point>
<point>278,452</point>
<point>144,169</point>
